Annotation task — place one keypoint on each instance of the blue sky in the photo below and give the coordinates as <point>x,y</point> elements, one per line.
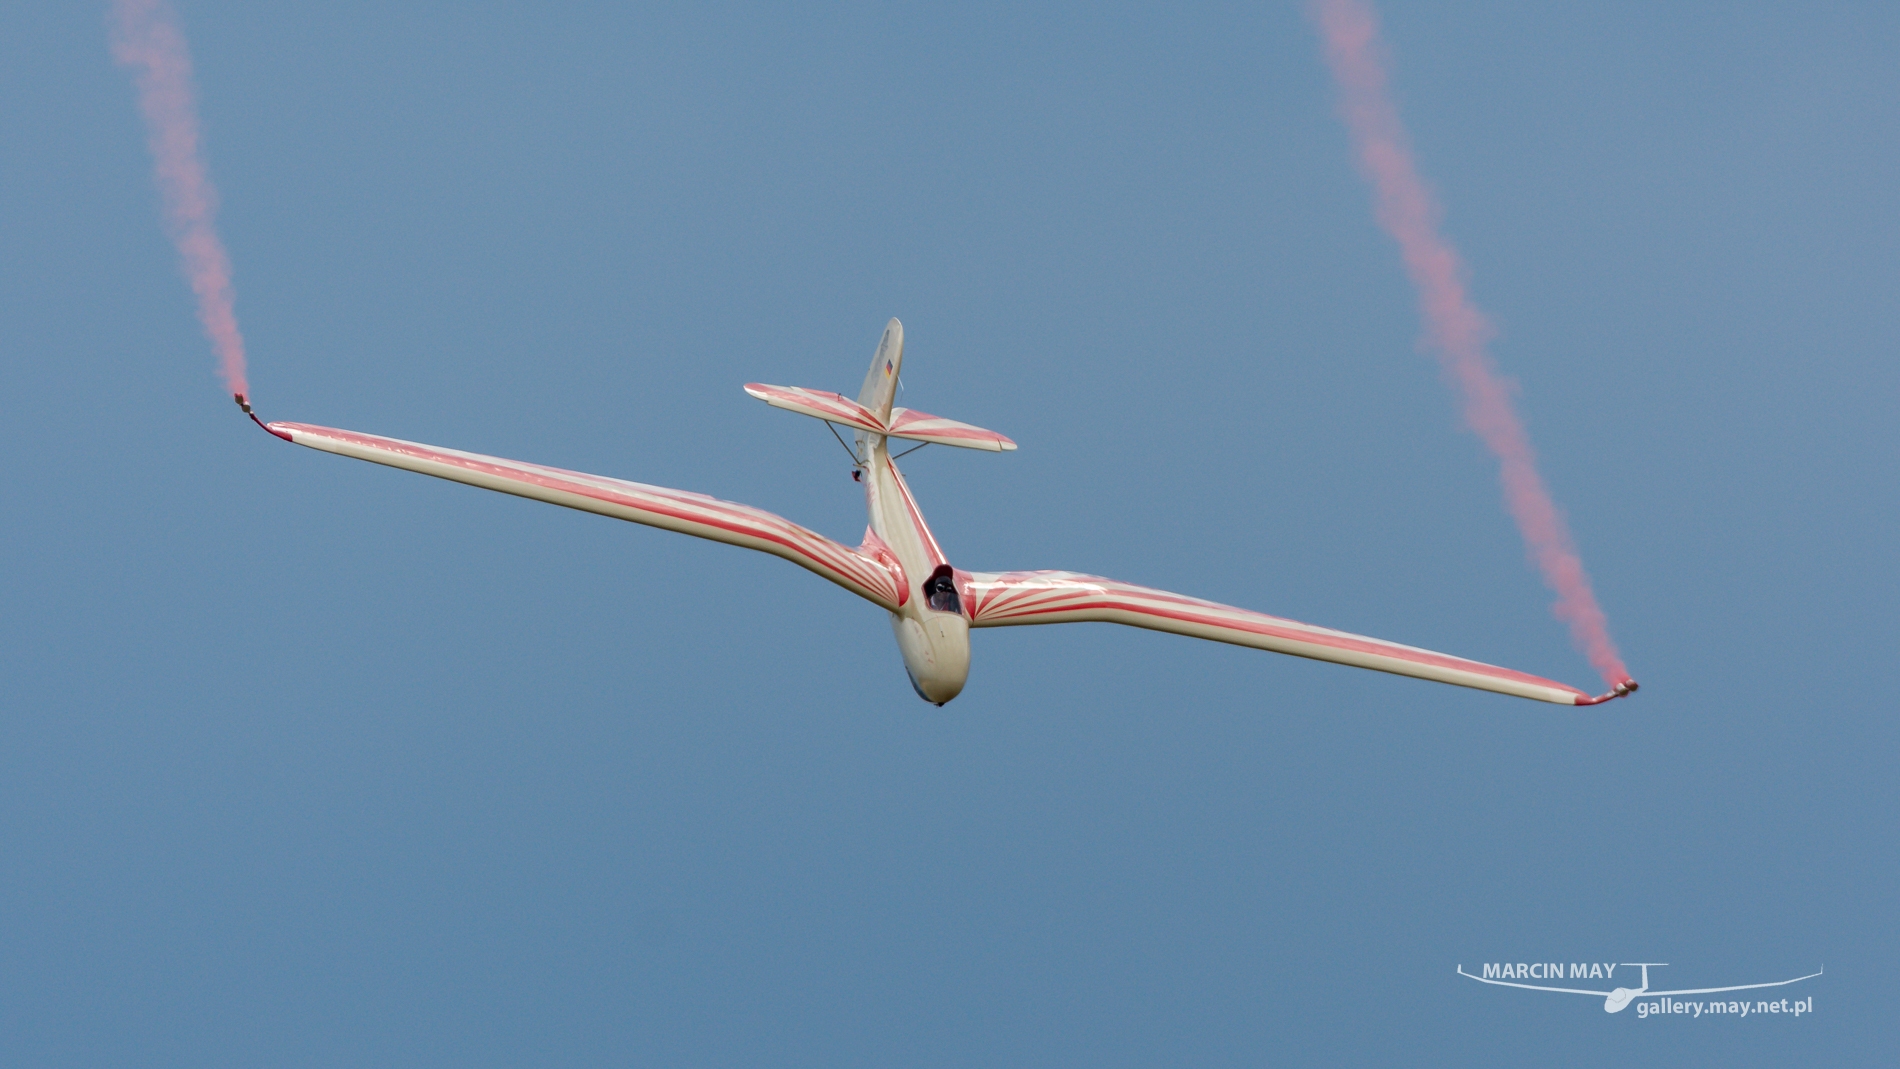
<point>308,762</point>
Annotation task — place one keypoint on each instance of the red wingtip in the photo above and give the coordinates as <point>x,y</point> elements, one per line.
<point>1621,690</point>
<point>246,406</point>
<point>244,403</point>
<point>285,435</point>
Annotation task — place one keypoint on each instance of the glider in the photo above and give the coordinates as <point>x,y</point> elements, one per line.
<point>900,567</point>
<point>1616,1000</point>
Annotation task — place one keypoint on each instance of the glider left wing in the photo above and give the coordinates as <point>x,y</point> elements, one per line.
<point>869,572</point>
<point>1003,599</point>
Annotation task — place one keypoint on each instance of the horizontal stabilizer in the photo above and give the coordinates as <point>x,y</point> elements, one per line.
<point>905,422</point>
<point>924,427</point>
<point>819,403</point>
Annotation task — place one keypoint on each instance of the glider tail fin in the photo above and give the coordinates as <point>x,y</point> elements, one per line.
<point>880,383</point>
<point>871,414</point>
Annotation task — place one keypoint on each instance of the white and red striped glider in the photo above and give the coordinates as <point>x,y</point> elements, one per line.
<point>900,567</point>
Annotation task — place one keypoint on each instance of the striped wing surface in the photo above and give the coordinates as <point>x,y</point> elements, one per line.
<point>1004,599</point>
<point>924,427</point>
<point>823,404</point>
<point>862,573</point>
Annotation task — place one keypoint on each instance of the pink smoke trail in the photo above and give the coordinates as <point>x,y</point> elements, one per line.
<point>146,38</point>
<point>1454,328</point>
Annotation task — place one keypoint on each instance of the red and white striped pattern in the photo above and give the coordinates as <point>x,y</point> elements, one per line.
<point>1009,598</point>
<point>820,403</point>
<point>924,427</point>
<point>905,422</point>
<point>914,518</point>
<point>873,576</point>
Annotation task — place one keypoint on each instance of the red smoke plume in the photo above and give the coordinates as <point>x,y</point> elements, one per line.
<point>1454,328</point>
<point>146,38</point>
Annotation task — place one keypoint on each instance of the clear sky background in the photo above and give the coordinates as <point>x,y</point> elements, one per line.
<point>310,762</point>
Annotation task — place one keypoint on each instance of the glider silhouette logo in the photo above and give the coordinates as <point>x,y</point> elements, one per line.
<point>1647,1002</point>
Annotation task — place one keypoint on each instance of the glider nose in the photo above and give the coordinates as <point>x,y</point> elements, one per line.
<point>936,649</point>
<point>1618,999</point>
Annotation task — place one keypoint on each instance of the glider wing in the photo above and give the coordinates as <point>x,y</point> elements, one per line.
<point>1009,598</point>
<point>869,572</point>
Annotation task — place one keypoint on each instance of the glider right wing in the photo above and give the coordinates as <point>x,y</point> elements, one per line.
<point>870,571</point>
<point>1009,598</point>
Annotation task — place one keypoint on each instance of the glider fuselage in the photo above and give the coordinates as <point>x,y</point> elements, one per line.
<point>932,631</point>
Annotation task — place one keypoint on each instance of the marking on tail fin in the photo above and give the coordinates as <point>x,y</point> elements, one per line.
<point>880,380</point>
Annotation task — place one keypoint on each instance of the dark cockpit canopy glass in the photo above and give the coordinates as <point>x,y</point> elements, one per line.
<point>940,591</point>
